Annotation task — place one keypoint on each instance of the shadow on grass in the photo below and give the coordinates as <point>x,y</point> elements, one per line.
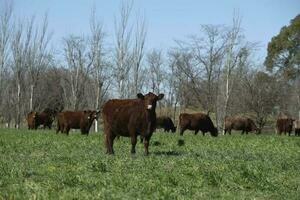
<point>168,153</point>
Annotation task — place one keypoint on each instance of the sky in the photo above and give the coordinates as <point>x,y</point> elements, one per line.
<point>166,19</point>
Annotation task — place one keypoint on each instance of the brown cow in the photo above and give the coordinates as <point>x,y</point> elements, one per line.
<point>284,125</point>
<point>82,120</point>
<point>243,124</point>
<point>31,119</point>
<point>196,122</point>
<point>166,123</point>
<point>297,127</point>
<point>130,118</point>
<point>45,118</point>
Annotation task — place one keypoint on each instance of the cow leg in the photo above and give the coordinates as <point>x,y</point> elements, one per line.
<point>109,140</point>
<point>141,138</point>
<point>146,145</point>
<point>182,130</point>
<point>196,132</point>
<point>133,143</point>
<point>58,127</point>
<point>67,129</point>
<point>83,131</point>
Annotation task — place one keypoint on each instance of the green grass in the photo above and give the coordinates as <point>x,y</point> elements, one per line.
<point>43,165</point>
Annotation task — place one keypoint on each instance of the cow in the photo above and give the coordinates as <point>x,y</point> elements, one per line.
<point>166,123</point>
<point>243,124</point>
<point>196,122</point>
<point>82,120</point>
<point>130,118</point>
<point>31,119</point>
<point>297,127</point>
<point>45,118</point>
<point>284,125</point>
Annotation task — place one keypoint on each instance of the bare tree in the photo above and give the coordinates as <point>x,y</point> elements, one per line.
<point>20,46</point>
<point>208,52</point>
<point>180,64</point>
<point>157,73</point>
<point>79,61</point>
<point>122,56</point>
<point>39,56</point>
<point>138,53</point>
<point>100,66</point>
<point>237,52</point>
<point>201,61</point>
<point>260,95</point>
<point>6,11</point>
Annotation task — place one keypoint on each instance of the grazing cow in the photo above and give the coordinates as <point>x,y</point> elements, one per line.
<point>196,122</point>
<point>82,120</point>
<point>166,123</point>
<point>31,119</point>
<point>45,118</point>
<point>297,127</point>
<point>284,125</point>
<point>240,123</point>
<point>130,118</point>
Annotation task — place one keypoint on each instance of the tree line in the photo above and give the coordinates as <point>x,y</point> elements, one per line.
<point>214,70</point>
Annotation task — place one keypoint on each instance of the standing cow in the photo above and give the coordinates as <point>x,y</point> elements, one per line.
<point>197,122</point>
<point>166,123</point>
<point>284,125</point>
<point>297,127</point>
<point>130,118</point>
<point>241,124</point>
<point>31,118</point>
<point>45,118</point>
<point>82,120</point>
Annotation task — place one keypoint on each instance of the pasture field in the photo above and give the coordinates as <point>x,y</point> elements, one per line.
<point>43,165</point>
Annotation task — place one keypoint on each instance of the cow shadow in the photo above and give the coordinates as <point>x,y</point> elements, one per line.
<point>168,153</point>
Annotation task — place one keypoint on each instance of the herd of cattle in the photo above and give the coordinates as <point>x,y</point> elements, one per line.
<point>133,117</point>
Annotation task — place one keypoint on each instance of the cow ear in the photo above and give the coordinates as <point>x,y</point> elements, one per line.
<point>140,96</point>
<point>160,96</point>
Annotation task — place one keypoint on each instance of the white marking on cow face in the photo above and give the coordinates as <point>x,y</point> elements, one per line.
<point>89,117</point>
<point>149,107</point>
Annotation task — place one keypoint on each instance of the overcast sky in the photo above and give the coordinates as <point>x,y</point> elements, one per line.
<point>167,19</point>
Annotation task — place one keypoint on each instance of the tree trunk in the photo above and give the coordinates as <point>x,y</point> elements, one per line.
<point>31,97</point>
<point>97,105</point>
<point>18,106</point>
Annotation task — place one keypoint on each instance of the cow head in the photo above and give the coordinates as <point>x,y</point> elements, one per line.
<point>174,129</point>
<point>91,115</point>
<point>32,114</point>
<point>150,100</point>
<point>214,132</point>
